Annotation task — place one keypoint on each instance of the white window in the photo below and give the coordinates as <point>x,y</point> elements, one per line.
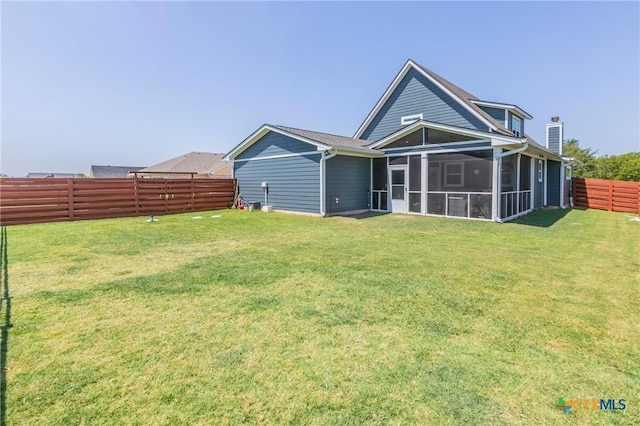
<point>540,170</point>
<point>516,125</point>
<point>410,119</point>
<point>454,174</point>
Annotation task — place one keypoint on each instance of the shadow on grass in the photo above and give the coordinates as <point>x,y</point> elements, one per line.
<point>365,215</point>
<point>543,218</point>
<point>5,302</point>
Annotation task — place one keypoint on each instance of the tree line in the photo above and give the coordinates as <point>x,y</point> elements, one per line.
<point>614,167</point>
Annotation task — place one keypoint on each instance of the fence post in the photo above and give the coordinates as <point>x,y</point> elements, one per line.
<point>135,195</point>
<point>193,195</point>
<point>70,197</point>
<point>610,195</point>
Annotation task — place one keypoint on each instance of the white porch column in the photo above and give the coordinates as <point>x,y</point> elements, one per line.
<point>544,201</point>
<point>495,185</point>
<point>424,182</point>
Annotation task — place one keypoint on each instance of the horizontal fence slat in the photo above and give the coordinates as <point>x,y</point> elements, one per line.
<point>27,201</point>
<point>612,195</point>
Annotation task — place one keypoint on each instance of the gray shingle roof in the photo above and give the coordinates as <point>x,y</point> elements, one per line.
<point>335,141</point>
<point>192,162</point>
<point>112,171</point>
<point>49,175</point>
<point>466,97</point>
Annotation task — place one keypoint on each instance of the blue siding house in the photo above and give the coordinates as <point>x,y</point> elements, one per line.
<point>427,147</point>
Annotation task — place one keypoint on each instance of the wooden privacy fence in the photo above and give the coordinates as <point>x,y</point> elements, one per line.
<point>54,200</point>
<point>612,195</point>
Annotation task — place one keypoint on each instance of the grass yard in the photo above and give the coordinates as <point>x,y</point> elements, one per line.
<point>274,318</point>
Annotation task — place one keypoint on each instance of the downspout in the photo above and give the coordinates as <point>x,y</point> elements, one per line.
<point>323,180</point>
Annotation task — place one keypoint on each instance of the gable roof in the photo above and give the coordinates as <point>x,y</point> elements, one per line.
<point>463,97</point>
<point>322,141</point>
<point>192,162</point>
<point>501,105</point>
<point>111,171</point>
<point>497,139</point>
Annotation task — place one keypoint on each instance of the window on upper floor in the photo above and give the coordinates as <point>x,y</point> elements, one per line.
<point>516,125</point>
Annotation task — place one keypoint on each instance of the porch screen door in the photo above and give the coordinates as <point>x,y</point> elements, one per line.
<point>398,177</point>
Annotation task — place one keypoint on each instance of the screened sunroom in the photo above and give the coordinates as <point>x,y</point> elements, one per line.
<point>447,173</point>
<point>448,184</point>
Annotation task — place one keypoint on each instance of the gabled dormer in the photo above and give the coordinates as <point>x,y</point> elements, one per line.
<point>512,116</point>
<point>418,93</point>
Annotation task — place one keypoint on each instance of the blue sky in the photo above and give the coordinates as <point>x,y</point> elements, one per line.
<point>136,83</point>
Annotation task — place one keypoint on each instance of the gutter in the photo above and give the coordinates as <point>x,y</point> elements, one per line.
<point>515,151</point>
<point>323,174</point>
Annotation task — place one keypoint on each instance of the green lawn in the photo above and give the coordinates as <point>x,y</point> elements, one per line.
<point>275,318</point>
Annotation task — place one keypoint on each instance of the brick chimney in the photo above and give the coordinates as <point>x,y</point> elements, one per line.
<point>555,135</point>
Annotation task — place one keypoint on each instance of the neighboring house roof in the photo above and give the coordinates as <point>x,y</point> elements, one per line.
<point>50,175</point>
<point>112,171</point>
<point>192,162</point>
<point>322,141</point>
<point>463,97</point>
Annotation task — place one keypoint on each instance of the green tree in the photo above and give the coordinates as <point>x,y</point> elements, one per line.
<point>620,167</point>
<point>615,167</point>
<point>586,156</point>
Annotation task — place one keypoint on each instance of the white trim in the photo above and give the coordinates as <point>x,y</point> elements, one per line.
<point>446,128</point>
<point>437,145</point>
<point>560,126</point>
<point>410,119</point>
<point>424,181</point>
<point>348,153</point>
<point>506,119</point>
<point>437,151</point>
<point>261,132</point>
<point>516,108</point>
<point>461,174</point>
<point>405,169</point>
<point>544,201</point>
<point>271,157</point>
<point>496,184</point>
<point>323,180</point>
<point>394,84</point>
<point>540,173</point>
<point>515,216</point>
